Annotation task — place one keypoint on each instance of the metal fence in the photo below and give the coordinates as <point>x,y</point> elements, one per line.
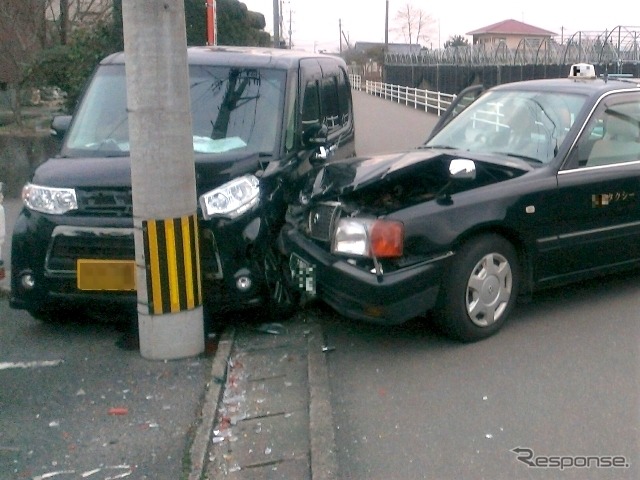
<point>620,45</point>
<point>427,100</point>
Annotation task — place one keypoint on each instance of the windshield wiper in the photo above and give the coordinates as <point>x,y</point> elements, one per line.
<point>443,147</point>
<point>522,157</point>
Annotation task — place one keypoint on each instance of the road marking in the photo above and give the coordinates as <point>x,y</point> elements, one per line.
<point>36,364</point>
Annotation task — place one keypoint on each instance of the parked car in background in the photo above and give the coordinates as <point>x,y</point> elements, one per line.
<point>262,120</point>
<point>532,185</point>
<point>3,232</point>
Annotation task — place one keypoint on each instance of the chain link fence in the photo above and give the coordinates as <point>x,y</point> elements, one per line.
<point>450,70</point>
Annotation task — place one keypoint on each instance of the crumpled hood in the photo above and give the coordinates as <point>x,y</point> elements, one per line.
<point>353,174</point>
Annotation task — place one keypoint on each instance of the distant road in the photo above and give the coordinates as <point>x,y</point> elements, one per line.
<point>386,126</point>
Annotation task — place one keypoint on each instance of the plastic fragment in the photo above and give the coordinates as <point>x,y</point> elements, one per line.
<point>118,411</point>
<point>267,451</point>
<point>271,328</point>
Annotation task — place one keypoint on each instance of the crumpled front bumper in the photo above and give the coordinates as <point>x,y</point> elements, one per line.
<point>393,298</point>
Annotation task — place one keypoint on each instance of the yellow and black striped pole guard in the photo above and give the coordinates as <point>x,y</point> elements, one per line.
<point>173,264</point>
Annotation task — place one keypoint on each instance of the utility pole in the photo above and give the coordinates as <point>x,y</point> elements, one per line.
<point>170,314</point>
<point>276,23</point>
<point>340,34</point>
<point>386,28</point>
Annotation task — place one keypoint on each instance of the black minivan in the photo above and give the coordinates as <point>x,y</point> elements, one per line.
<point>263,121</point>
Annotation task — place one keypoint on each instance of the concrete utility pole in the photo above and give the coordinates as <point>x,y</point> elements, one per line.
<point>276,23</point>
<point>170,315</point>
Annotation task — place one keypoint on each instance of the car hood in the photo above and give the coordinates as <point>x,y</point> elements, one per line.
<point>358,173</point>
<point>115,172</point>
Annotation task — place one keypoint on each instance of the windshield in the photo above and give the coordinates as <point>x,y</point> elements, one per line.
<point>231,108</point>
<point>526,124</point>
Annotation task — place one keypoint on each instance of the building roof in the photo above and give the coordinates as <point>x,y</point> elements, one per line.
<point>512,27</point>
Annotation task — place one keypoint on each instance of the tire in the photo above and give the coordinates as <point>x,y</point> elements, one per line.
<point>282,298</point>
<point>480,289</point>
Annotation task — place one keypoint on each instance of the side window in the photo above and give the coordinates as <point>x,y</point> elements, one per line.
<point>613,135</point>
<point>330,109</point>
<point>344,97</point>
<point>311,105</point>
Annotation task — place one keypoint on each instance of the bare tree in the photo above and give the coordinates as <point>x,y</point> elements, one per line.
<point>22,35</point>
<point>29,26</point>
<point>66,15</point>
<point>413,24</point>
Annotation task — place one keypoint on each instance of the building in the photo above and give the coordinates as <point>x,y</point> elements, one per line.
<point>511,33</point>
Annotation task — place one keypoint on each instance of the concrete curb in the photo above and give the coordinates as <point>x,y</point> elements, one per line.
<point>200,445</point>
<point>324,464</point>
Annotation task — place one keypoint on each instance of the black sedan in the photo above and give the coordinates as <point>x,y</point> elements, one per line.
<point>530,185</point>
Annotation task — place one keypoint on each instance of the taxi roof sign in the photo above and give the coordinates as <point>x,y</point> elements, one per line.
<point>582,70</point>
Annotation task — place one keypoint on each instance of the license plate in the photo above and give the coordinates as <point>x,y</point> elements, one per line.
<point>303,274</point>
<point>111,275</point>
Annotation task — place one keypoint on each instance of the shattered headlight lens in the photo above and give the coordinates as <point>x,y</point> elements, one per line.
<point>369,238</point>
<point>54,201</point>
<point>231,199</point>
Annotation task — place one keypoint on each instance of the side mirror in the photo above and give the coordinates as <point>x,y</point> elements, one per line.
<point>462,169</point>
<point>59,126</point>
<point>315,135</point>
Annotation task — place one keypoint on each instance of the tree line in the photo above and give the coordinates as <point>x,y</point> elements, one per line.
<point>59,42</point>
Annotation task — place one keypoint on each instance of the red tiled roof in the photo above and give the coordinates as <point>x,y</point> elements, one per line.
<point>511,27</point>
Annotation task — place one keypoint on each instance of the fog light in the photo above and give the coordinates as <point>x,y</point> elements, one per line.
<point>27,281</point>
<point>243,283</point>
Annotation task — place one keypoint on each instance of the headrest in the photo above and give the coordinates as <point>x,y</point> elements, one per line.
<point>623,128</point>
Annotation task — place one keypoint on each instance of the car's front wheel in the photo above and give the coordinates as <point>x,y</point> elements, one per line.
<point>480,289</point>
<point>283,299</point>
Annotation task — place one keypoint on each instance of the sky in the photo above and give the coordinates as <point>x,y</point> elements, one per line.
<point>315,25</point>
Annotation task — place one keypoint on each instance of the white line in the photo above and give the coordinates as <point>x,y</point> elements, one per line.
<point>44,363</point>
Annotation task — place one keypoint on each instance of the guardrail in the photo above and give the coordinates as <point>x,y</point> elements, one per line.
<point>427,100</point>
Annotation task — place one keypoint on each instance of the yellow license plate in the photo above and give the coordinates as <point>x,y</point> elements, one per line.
<point>112,275</point>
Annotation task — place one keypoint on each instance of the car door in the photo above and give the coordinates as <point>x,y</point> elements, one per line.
<point>327,110</point>
<point>598,224</point>
<point>465,98</point>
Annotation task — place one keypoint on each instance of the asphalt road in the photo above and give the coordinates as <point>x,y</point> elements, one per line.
<point>561,379</point>
<point>72,401</point>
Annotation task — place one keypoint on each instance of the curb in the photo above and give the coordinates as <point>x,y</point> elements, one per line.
<point>200,445</point>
